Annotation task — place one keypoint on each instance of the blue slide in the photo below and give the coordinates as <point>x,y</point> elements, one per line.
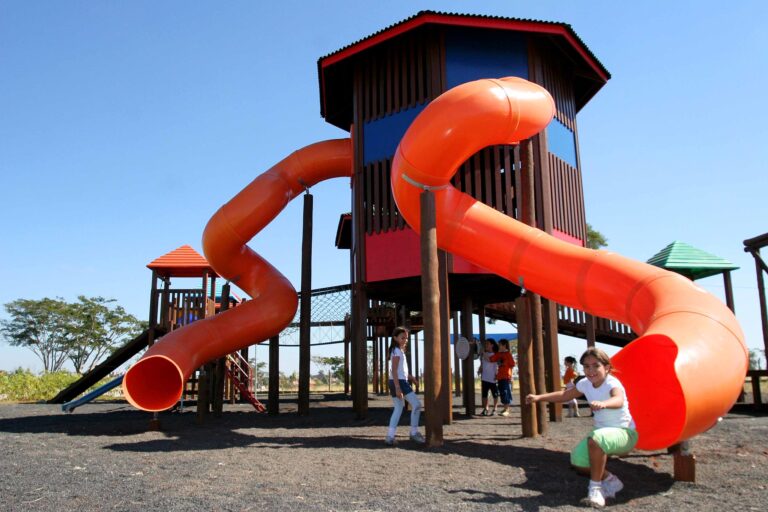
<point>71,406</point>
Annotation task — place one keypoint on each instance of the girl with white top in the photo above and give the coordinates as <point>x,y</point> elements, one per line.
<point>400,381</point>
<point>614,431</point>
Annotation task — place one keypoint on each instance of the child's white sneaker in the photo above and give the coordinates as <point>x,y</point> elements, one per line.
<point>611,486</point>
<point>594,497</point>
<point>416,437</point>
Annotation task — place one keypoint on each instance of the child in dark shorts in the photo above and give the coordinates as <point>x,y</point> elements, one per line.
<point>487,372</point>
<point>504,374</point>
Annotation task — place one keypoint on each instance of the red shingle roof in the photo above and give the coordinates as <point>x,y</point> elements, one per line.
<point>181,262</point>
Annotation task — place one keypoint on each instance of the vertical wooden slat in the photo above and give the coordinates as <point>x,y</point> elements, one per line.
<point>273,400</point>
<point>497,180</point>
<point>305,313</point>
<point>430,300</point>
<point>477,177</point>
<point>386,193</point>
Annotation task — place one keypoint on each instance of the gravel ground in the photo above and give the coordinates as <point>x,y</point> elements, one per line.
<point>103,457</point>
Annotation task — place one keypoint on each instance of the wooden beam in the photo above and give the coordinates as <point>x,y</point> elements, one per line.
<point>525,367</point>
<point>305,315</point>
<point>467,367</point>
<point>552,356</point>
<point>761,296</point>
<point>534,307</point>
<point>456,361</point>
<point>728,290</point>
<point>430,303</point>
<point>446,397</point>
<point>273,399</point>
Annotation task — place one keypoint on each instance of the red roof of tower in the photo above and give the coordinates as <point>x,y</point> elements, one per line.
<point>181,262</point>
<point>333,73</point>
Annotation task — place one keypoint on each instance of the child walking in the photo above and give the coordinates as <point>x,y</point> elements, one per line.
<point>504,374</point>
<point>614,431</point>
<point>400,388</point>
<point>568,381</point>
<point>487,373</point>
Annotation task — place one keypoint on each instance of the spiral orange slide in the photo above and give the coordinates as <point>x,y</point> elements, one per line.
<point>685,370</point>
<point>156,381</point>
<point>688,366</point>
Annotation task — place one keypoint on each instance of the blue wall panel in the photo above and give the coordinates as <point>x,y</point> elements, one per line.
<point>381,136</point>
<point>472,55</point>
<point>561,142</point>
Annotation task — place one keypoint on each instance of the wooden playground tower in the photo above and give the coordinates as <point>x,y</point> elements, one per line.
<point>229,377</point>
<point>374,88</point>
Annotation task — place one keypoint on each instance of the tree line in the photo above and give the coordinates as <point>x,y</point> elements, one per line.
<point>82,332</point>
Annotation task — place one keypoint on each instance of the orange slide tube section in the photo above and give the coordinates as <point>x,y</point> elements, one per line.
<point>156,381</point>
<point>688,365</point>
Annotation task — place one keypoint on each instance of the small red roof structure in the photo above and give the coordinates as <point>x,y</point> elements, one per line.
<point>182,262</point>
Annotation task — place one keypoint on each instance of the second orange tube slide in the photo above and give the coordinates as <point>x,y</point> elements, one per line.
<point>156,381</point>
<point>688,366</point>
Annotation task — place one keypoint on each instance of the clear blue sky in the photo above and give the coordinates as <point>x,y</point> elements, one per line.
<point>125,125</point>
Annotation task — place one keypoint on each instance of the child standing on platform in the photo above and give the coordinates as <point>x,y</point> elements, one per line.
<point>504,374</point>
<point>568,381</point>
<point>400,388</point>
<point>487,372</point>
<point>614,431</point>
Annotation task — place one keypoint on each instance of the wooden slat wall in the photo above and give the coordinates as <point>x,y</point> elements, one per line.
<point>487,176</point>
<point>565,180</point>
<point>401,75</point>
<point>567,198</point>
<point>395,77</point>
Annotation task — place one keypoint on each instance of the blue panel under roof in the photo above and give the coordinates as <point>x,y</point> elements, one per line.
<point>561,142</point>
<point>381,136</point>
<point>472,54</point>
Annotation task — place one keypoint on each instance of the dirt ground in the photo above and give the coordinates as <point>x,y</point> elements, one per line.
<point>103,457</point>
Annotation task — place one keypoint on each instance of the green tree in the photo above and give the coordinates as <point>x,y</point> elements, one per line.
<point>97,327</point>
<point>754,358</point>
<point>41,326</point>
<point>595,239</point>
<point>334,367</point>
<point>260,373</point>
<point>56,331</point>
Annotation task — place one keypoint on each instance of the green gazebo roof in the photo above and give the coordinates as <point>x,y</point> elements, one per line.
<point>689,261</point>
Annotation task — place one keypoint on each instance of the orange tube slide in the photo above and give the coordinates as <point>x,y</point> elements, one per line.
<point>156,381</point>
<point>687,367</point>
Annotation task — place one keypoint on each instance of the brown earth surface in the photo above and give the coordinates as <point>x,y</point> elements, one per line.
<point>103,457</point>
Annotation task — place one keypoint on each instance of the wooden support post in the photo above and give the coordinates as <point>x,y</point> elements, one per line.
<point>534,306</point>
<point>273,397</point>
<point>358,347</point>
<point>760,267</point>
<point>552,356</point>
<point>684,462</point>
<point>204,391</point>
<point>219,381</point>
<point>152,310</point>
<point>757,397</point>
<point>376,365</point>
<point>305,315</point>
<point>728,290</point>
<point>524,306</point>
<point>456,362</point>
<point>525,367</point>
<point>418,371</point>
<point>446,398</point>
<point>590,327</point>
<point>468,365</point>
<point>430,302</point>
<point>346,354</point>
